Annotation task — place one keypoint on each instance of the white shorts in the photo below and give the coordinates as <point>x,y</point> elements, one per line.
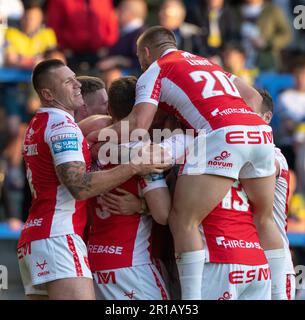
<point>50,259</point>
<point>234,152</point>
<point>236,282</point>
<point>135,283</point>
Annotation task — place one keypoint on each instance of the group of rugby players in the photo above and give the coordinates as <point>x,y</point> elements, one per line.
<point>225,207</point>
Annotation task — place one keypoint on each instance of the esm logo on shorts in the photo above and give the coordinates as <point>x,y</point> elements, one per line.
<point>246,276</point>
<point>3,278</point>
<point>249,137</point>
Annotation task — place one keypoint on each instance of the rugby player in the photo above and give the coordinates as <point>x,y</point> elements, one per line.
<point>95,98</point>
<point>119,245</point>
<point>52,255</point>
<point>236,267</point>
<point>205,98</point>
<point>280,205</point>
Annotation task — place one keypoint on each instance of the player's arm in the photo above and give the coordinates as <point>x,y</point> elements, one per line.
<point>84,185</point>
<point>159,204</point>
<point>250,95</point>
<point>142,115</point>
<point>93,123</point>
<point>66,146</point>
<point>157,196</point>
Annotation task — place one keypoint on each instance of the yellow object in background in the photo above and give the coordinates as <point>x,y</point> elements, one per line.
<point>29,46</point>
<point>214,38</point>
<point>297,206</point>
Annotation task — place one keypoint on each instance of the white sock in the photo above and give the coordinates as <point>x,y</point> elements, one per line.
<point>190,267</point>
<point>276,261</point>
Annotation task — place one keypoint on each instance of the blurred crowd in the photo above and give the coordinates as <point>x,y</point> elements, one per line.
<point>253,39</point>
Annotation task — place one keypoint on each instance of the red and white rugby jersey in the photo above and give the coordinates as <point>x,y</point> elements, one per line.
<point>200,93</point>
<point>280,205</point>
<point>229,233</point>
<point>120,241</point>
<point>52,138</point>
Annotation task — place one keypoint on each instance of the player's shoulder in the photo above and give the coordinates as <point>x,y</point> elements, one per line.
<point>59,122</point>
<point>154,67</point>
<point>58,118</point>
<point>148,77</point>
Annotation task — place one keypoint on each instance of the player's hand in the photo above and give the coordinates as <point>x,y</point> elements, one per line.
<point>151,159</point>
<point>125,203</point>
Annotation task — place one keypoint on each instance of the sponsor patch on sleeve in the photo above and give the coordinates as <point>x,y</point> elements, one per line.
<point>152,181</point>
<point>64,142</point>
<point>151,177</point>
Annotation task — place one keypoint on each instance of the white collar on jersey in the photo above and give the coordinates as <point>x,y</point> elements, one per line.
<point>50,109</point>
<point>168,51</point>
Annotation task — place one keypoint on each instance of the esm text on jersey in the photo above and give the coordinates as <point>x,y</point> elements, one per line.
<point>3,278</point>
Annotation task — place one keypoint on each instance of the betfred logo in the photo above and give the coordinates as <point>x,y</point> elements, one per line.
<point>219,161</point>
<point>243,276</point>
<point>105,277</point>
<point>242,244</point>
<point>249,137</point>
<point>63,136</point>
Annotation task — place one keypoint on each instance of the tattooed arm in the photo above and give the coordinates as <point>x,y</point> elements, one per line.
<point>83,185</point>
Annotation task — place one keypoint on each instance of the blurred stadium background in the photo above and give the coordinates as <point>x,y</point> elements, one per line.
<point>261,41</point>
